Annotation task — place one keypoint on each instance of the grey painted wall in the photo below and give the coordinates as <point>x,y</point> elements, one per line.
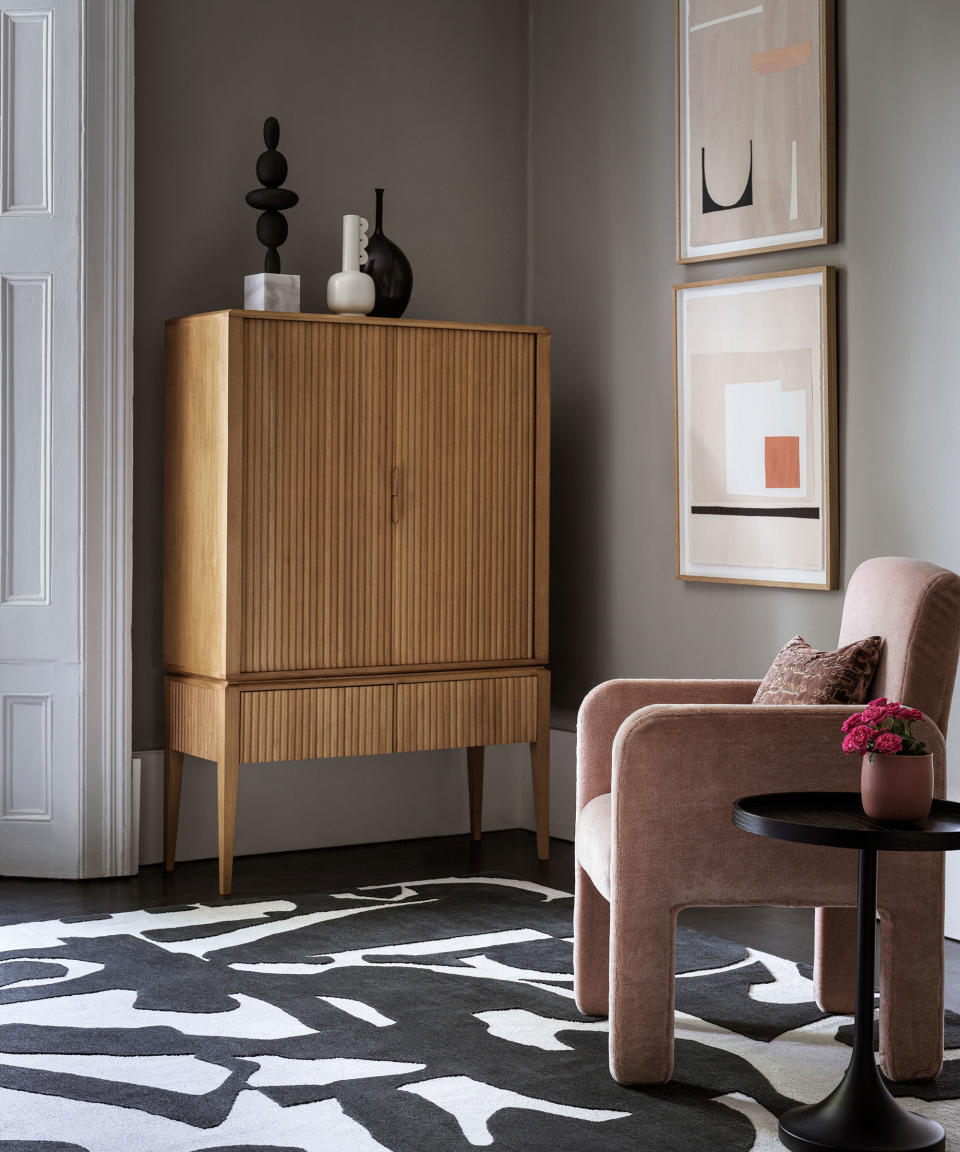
<point>431,98</point>
<point>603,204</point>
<point>425,98</point>
<point>602,223</point>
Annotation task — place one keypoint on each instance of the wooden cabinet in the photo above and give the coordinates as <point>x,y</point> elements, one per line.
<point>356,549</point>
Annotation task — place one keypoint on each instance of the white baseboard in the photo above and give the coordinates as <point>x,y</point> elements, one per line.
<point>323,803</point>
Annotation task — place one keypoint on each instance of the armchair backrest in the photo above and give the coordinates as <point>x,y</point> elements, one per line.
<point>915,607</point>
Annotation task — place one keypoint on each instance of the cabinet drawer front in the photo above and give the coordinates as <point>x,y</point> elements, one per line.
<point>303,723</point>
<point>461,713</point>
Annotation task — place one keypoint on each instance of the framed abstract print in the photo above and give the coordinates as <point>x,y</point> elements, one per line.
<point>755,126</point>
<point>756,429</point>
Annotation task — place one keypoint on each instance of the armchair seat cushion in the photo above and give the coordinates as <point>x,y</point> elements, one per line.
<point>593,842</point>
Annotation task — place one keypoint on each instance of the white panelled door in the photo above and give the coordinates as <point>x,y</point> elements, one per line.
<point>41,434</point>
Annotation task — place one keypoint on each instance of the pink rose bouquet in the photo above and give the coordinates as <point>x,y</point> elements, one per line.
<point>884,726</point>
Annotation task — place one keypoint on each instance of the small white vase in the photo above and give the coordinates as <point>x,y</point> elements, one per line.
<point>352,292</point>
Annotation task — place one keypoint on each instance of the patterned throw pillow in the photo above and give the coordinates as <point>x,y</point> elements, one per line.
<point>801,675</point>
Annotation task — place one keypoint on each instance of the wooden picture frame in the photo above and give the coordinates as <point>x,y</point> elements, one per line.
<point>756,94</point>
<point>755,430</point>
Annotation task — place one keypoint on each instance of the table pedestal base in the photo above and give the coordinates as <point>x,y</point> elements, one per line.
<point>859,1115</point>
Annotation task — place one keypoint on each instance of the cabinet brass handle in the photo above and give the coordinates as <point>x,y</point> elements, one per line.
<point>395,496</point>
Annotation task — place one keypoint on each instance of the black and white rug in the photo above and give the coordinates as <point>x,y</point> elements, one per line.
<point>428,1016</point>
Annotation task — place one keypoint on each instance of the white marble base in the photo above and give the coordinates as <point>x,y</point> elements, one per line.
<point>271,292</point>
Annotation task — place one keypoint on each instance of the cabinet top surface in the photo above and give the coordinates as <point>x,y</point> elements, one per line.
<point>330,318</point>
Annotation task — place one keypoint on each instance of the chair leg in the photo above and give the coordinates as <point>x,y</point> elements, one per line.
<point>835,959</point>
<point>641,994</point>
<point>911,993</point>
<point>591,948</point>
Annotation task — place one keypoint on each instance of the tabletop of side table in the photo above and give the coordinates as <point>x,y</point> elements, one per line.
<point>837,819</point>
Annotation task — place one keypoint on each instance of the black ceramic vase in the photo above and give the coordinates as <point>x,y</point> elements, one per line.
<point>389,269</point>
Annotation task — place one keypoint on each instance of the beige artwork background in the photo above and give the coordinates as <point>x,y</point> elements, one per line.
<point>710,373</point>
<point>737,333</point>
<point>730,104</point>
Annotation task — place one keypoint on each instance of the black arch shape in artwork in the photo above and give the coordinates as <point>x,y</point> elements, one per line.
<point>709,204</point>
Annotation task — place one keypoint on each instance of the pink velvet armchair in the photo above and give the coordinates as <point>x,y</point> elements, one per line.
<point>690,748</point>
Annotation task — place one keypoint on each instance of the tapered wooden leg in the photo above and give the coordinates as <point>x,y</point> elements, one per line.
<point>475,783</point>
<point>172,779</point>
<point>540,767</point>
<point>228,776</point>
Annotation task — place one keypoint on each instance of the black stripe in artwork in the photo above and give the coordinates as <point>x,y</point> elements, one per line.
<point>722,510</point>
<point>719,510</point>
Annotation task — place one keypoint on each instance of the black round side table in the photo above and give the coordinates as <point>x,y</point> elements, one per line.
<point>859,1113</point>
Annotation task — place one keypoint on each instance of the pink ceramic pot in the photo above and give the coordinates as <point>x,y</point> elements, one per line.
<point>896,787</point>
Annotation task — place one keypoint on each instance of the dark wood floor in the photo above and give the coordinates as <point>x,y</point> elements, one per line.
<point>782,931</point>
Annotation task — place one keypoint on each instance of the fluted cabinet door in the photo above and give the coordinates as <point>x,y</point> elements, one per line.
<point>316,534</point>
<point>464,488</point>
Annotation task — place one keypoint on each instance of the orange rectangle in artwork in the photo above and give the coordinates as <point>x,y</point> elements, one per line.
<point>782,461</point>
<point>777,59</point>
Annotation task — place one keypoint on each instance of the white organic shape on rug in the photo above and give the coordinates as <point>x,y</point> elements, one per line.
<point>517,1026</point>
<point>317,1127</point>
<point>472,1103</point>
<point>409,888</point>
<point>202,945</point>
<point>446,944</point>
<point>188,1074</point>
<point>75,970</point>
<point>360,957</point>
<point>358,1009</point>
<point>804,1064</point>
<point>477,967</point>
<point>55,933</point>
<point>763,1120</point>
<point>41,934</point>
<point>281,1071</point>
<point>945,1112</point>
<point>787,987</point>
<point>252,1019</point>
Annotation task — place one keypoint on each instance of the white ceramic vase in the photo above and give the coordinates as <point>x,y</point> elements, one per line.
<point>352,292</point>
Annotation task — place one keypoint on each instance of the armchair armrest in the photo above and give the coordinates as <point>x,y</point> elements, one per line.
<point>606,707</point>
<point>693,761</point>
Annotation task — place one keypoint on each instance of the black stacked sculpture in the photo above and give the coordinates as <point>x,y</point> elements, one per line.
<point>271,291</point>
<point>271,199</point>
